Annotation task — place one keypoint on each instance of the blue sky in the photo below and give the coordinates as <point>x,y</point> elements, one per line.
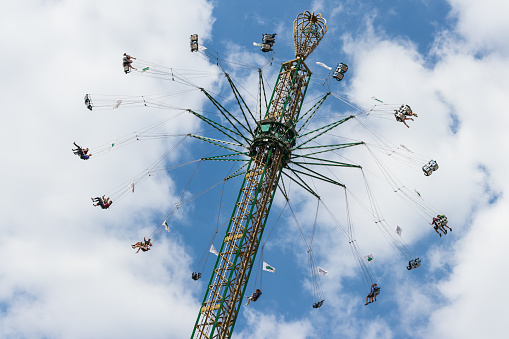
<point>67,269</point>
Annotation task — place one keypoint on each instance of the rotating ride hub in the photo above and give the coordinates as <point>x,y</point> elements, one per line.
<point>276,135</point>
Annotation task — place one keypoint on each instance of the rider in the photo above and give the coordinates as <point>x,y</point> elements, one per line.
<point>127,61</point>
<point>102,201</point>
<point>144,246</point>
<point>402,117</point>
<point>254,296</point>
<point>438,226</point>
<point>376,290</point>
<point>444,224</point>
<point>81,152</point>
<point>369,298</point>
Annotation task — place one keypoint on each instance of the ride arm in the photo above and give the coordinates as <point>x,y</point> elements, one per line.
<point>227,115</point>
<point>317,175</point>
<point>324,130</point>
<point>237,96</point>
<point>300,182</point>
<point>313,111</point>
<point>323,162</point>
<point>217,142</point>
<point>222,157</point>
<point>330,148</point>
<point>217,126</point>
<point>237,173</point>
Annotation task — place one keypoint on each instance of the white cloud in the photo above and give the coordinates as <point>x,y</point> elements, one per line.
<point>71,262</point>
<point>483,25</point>
<point>260,325</point>
<point>71,271</point>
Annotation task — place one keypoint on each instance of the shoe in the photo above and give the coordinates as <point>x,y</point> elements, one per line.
<point>440,235</point>
<point>445,232</point>
<point>450,229</point>
<point>366,304</point>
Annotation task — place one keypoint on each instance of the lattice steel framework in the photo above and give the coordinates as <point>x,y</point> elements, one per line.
<point>270,150</point>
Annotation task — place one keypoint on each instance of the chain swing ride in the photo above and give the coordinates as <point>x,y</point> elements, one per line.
<point>277,145</point>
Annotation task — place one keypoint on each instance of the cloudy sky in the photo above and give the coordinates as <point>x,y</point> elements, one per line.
<point>67,269</point>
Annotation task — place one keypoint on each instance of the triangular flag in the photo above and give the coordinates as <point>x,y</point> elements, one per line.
<point>165,224</point>
<point>145,69</point>
<point>268,268</point>
<point>377,99</point>
<point>403,146</point>
<point>321,271</point>
<point>117,103</point>
<point>369,257</point>
<point>256,44</point>
<point>399,230</point>
<point>323,65</point>
<point>131,186</point>
<point>202,48</point>
<point>213,250</point>
<point>419,194</point>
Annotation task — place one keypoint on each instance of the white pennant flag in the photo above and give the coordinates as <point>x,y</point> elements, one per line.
<point>323,65</point>
<point>369,257</point>
<point>268,268</point>
<point>403,146</point>
<point>213,250</point>
<point>399,230</point>
<point>321,271</point>
<point>165,224</point>
<point>131,186</point>
<point>117,103</point>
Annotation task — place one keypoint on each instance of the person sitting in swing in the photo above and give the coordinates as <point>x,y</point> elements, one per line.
<point>144,246</point>
<point>127,60</point>
<point>318,304</point>
<point>401,117</point>
<point>81,152</point>
<point>254,296</point>
<point>443,220</point>
<point>369,298</point>
<point>102,201</point>
<point>376,291</point>
<point>195,276</point>
<point>438,225</point>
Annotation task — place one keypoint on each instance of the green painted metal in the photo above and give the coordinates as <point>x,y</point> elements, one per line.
<point>216,142</point>
<point>301,183</point>
<point>313,109</point>
<point>215,125</point>
<point>237,96</point>
<point>256,252</point>
<point>221,250</point>
<point>274,90</point>
<point>221,157</point>
<point>326,128</point>
<point>288,96</point>
<point>318,176</point>
<point>303,95</point>
<point>322,161</point>
<point>227,116</point>
<point>240,244</point>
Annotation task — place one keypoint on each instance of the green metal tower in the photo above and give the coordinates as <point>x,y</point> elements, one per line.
<point>269,148</point>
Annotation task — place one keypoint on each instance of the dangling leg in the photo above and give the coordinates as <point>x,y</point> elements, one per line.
<point>436,230</point>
